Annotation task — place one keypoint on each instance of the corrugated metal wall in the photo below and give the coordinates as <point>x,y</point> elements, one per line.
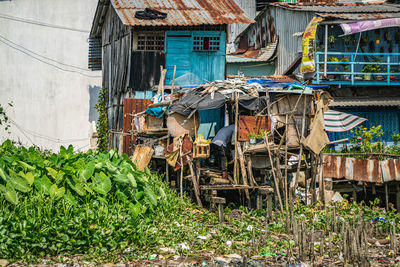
<point>116,64</point>
<point>132,106</point>
<point>389,120</point>
<point>288,22</point>
<point>249,7</point>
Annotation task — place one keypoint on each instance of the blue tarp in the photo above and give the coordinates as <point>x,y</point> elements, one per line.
<point>156,112</point>
<point>283,84</point>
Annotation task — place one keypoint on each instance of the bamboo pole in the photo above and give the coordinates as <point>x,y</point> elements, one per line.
<point>301,149</point>
<point>273,174</point>
<point>286,170</point>
<point>235,165</point>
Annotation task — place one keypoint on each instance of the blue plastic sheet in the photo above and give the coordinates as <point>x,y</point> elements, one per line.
<point>156,112</point>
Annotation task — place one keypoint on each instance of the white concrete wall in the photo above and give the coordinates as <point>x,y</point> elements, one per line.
<point>52,107</point>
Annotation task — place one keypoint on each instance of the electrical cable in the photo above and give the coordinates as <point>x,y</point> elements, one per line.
<point>4,16</point>
<point>55,66</point>
<point>30,51</point>
<point>52,139</point>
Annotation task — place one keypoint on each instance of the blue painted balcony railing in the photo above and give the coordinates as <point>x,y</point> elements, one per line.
<point>353,70</point>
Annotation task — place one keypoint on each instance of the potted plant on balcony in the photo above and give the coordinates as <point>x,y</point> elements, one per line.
<point>334,66</point>
<point>345,68</point>
<point>331,40</point>
<point>370,68</point>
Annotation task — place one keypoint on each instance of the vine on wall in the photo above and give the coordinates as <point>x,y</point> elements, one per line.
<point>4,119</point>
<point>102,123</point>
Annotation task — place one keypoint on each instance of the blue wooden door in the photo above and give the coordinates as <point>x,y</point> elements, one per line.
<point>199,56</point>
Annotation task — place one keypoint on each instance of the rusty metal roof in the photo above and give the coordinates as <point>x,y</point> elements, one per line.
<point>365,101</point>
<point>182,12</point>
<point>359,16</point>
<point>341,8</point>
<point>361,170</point>
<point>259,55</point>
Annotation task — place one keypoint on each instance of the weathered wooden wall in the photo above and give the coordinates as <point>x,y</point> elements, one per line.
<point>145,69</point>
<point>116,65</point>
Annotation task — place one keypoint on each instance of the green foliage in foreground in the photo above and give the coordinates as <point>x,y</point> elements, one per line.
<point>127,221</point>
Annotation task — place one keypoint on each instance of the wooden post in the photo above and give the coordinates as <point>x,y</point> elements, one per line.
<point>397,197</point>
<point>235,166</point>
<point>273,174</point>
<point>243,170</point>
<point>173,80</point>
<point>293,190</point>
<point>269,205</point>
<point>181,178</point>
<point>250,171</point>
<point>220,201</point>
<point>386,197</point>
<point>194,181</point>
<point>167,166</point>
<point>286,166</point>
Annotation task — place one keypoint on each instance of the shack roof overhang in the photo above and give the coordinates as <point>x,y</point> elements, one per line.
<point>179,13</point>
<point>336,13</point>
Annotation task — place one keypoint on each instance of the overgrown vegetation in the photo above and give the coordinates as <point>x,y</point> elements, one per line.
<point>366,141</point>
<point>102,123</point>
<point>99,207</point>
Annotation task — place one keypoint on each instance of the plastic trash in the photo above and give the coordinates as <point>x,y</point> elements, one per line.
<point>378,219</point>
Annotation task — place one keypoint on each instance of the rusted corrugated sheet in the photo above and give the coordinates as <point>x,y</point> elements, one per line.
<point>132,106</point>
<point>390,170</point>
<point>361,170</point>
<point>182,12</point>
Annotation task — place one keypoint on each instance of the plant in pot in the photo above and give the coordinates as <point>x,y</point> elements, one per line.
<point>334,66</point>
<point>256,138</point>
<point>370,68</point>
<point>331,40</point>
<point>253,138</point>
<point>345,68</point>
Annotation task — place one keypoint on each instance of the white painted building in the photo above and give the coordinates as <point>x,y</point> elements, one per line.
<point>43,71</point>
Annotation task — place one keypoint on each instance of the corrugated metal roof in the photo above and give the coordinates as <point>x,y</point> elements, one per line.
<point>362,102</point>
<point>361,170</point>
<point>342,8</point>
<point>260,55</point>
<point>358,16</point>
<point>182,12</point>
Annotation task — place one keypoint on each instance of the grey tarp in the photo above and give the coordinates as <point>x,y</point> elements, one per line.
<point>256,104</point>
<point>195,100</point>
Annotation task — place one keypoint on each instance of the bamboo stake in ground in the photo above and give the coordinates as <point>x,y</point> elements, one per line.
<point>286,170</point>
<point>273,174</point>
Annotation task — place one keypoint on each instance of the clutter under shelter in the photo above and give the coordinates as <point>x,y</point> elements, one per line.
<point>238,139</point>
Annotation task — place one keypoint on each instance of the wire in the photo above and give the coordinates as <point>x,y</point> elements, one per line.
<point>20,46</point>
<point>55,66</point>
<point>35,134</point>
<point>4,16</point>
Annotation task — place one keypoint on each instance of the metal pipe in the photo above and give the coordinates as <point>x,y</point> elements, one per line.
<point>326,51</point>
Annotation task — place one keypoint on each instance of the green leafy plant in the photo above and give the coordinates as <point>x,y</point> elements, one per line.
<point>364,138</point>
<point>102,123</point>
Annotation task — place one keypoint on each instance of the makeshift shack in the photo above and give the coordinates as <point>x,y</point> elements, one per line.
<point>232,136</point>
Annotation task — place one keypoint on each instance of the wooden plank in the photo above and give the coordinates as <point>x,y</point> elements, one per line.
<point>142,156</point>
<point>252,124</point>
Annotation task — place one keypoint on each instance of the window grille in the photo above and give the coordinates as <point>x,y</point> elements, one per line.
<point>150,42</point>
<point>205,43</point>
